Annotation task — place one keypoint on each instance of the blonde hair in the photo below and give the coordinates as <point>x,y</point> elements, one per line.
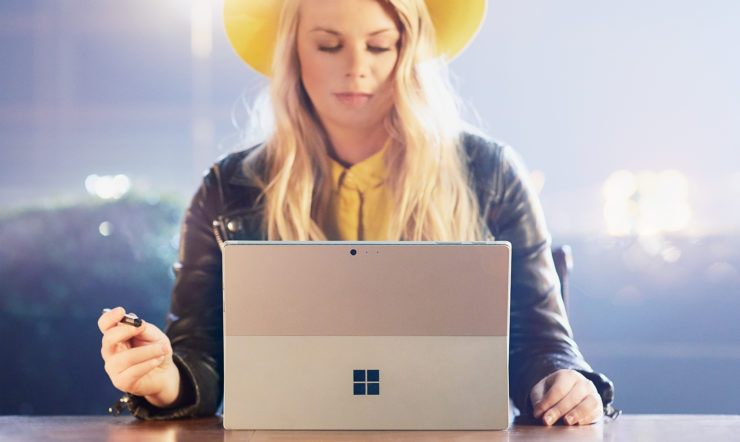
<point>427,167</point>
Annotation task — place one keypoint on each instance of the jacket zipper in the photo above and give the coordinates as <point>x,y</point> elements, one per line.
<point>217,233</point>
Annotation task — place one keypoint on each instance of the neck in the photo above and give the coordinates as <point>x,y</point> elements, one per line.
<point>350,146</point>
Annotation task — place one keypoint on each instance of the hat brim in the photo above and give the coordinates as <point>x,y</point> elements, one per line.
<point>251,27</point>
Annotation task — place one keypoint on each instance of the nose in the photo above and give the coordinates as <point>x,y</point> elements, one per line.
<point>357,62</point>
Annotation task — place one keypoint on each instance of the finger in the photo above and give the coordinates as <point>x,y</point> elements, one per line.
<point>117,339</point>
<point>126,380</point>
<point>120,362</point>
<point>566,404</point>
<point>597,416</point>
<point>121,332</point>
<point>109,319</point>
<point>586,412</point>
<point>536,395</point>
<point>556,387</point>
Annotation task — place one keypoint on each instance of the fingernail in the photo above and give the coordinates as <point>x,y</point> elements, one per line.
<point>548,418</point>
<point>569,419</point>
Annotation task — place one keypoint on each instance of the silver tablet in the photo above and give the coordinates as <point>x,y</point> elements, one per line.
<point>366,335</point>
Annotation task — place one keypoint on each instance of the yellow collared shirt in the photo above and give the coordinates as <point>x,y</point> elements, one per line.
<point>360,204</point>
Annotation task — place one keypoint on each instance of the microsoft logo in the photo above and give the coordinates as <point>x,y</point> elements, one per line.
<point>366,382</point>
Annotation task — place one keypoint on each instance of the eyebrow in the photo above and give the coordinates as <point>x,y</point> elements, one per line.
<point>337,33</point>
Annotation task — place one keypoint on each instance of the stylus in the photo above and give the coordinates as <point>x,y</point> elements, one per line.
<point>128,318</point>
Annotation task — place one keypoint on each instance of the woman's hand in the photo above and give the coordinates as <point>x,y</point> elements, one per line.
<point>138,360</point>
<point>567,394</point>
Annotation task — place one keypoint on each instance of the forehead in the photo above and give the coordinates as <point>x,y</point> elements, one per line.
<point>346,16</point>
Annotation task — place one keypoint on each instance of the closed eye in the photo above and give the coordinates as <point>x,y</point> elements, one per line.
<point>330,48</point>
<point>374,49</point>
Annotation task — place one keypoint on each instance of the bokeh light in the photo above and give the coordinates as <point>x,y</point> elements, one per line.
<point>537,178</point>
<point>108,187</point>
<point>201,32</point>
<point>105,228</point>
<point>646,203</point>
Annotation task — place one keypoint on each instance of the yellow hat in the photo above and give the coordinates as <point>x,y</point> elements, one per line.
<point>251,26</point>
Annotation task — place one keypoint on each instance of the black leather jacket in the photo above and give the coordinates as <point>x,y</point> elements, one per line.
<point>224,208</point>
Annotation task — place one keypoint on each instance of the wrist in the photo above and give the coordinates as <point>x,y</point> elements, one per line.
<point>171,391</point>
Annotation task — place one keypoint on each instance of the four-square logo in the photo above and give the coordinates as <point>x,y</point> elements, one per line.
<point>366,382</point>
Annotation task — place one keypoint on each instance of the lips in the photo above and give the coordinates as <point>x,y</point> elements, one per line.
<point>353,98</point>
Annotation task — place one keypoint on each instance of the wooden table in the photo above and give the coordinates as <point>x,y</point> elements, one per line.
<point>703,428</point>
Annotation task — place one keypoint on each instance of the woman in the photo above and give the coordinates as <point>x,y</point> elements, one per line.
<point>366,146</point>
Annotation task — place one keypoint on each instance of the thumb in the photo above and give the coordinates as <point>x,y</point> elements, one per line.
<point>150,333</point>
<point>538,392</point>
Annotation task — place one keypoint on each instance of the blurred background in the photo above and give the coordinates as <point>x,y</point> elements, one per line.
<point>627,115</point>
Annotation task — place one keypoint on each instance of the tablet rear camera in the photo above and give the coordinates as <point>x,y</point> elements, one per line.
<point>353,252</point>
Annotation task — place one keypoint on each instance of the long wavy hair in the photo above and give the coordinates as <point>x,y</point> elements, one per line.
<point>427,168</point>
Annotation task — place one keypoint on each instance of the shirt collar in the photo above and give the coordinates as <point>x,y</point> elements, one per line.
<point>367,174</point>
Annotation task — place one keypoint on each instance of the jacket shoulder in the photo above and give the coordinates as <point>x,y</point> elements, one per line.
<point>480,148</point>
<point>236,179</point>
<point>233,167</point>
<point>488,162</point>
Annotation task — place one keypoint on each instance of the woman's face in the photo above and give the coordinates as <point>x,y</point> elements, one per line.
<point>347,51</point>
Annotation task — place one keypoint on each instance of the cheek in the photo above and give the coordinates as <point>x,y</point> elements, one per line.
<point>385,71</point>
<point>314,74</point>
<point>309,74</point>
<point>386,64</point>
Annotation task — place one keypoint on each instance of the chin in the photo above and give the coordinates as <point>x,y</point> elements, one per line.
<point>353,120</point>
